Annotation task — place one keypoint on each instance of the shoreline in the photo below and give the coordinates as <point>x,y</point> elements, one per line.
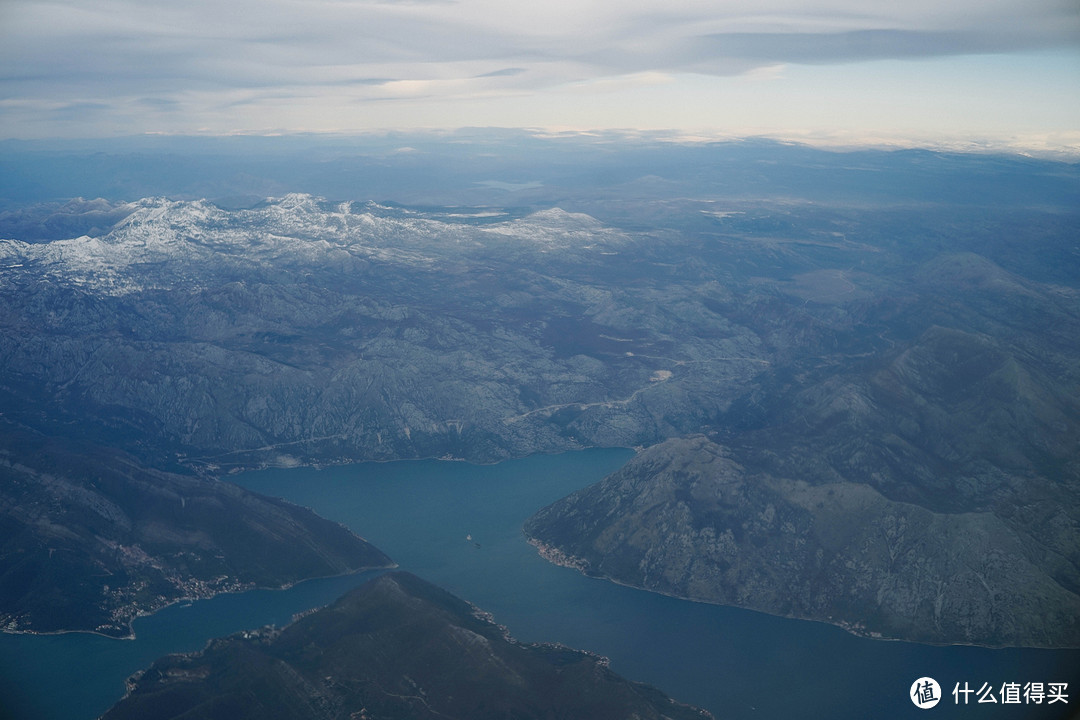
<point>226,476</point>
<point>220,473</point>
<point>192,599</point>
<point>558,557</point>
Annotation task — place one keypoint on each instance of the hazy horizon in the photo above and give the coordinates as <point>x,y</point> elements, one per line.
<point>969,75</point>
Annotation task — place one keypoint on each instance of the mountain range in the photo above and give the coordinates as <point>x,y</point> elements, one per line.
<point>851,378</point>
<point>396,647</point>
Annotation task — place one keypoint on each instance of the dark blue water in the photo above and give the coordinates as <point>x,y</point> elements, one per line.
<point>78,676</point>
<point>738,664</point>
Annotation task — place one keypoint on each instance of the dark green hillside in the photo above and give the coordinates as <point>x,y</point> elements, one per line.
<point>396,647</point>
<point>89,538</point>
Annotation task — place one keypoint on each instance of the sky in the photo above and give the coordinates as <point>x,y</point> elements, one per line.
<point>858,71</point>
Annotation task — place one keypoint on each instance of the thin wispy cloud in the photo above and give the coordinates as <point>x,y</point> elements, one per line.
<point>191,59</point>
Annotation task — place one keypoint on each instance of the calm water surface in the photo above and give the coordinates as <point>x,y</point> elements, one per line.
<point>459,526</point>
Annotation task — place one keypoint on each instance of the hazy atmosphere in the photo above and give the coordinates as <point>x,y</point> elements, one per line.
<point>473,359</point>
<point>963,72</point>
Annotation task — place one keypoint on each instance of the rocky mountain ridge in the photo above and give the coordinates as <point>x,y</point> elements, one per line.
<point>160,243</point>
<point>301,329</point>
<point>685,518</point>
<point>927,490</point>
<point>924,358</point>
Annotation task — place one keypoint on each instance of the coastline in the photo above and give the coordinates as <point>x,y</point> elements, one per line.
<point>285,462</point>
<point>227,476</point>
<point>191,599</point>
<point>558,557</point>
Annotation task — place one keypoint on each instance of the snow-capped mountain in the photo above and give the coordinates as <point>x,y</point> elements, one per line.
<point>163,242</point>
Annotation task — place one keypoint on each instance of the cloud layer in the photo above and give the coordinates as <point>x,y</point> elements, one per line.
<point>178,64</point>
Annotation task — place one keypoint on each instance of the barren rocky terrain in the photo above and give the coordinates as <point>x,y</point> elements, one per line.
<point>885,356</point>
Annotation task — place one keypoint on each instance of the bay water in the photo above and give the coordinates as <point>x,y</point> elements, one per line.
<point>459,526</point>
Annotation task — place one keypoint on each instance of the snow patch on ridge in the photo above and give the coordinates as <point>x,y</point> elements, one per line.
<point>164,242</point>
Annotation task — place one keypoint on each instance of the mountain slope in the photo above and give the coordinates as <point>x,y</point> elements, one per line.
<point>325,332</point>
<point>396,647</point>
<point>926,489</point>
<point>923,353</point>
<point>685,518</point>
<point>89,539</point>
